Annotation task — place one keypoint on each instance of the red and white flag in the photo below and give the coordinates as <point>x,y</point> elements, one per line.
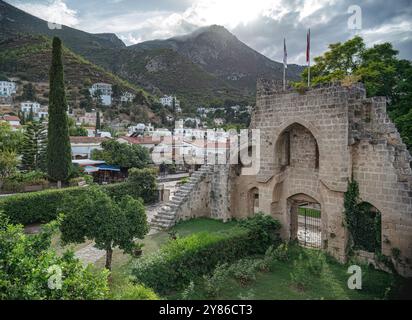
<point>285,54</point>
<point>308,48</point>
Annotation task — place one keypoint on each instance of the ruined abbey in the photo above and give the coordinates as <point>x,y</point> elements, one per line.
<point>312,143</point>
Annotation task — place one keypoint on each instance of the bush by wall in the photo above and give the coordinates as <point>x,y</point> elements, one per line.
<point>33,207</point>
<point>184,259</point>
<point>43,206</point>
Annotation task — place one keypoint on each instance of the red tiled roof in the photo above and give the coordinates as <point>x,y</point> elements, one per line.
<point>87,139</point>
<point>11,118</point>
<point>142,140</point>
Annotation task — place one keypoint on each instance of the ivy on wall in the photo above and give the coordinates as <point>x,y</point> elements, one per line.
<point>363,221</point>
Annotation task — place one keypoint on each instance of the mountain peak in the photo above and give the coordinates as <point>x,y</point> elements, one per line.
<point>212,29</point>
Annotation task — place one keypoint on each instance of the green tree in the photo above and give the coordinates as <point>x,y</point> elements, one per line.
<point>8,163</point>
<point>122,154</point>
<point>378,68</point>
<point>58,148</point>
<point>97,121</point>
<point>30,117</point>
<point>25,268</point>
<point>29,92</point>
<point>94,215</point>
<point>34,147</point>
<point>10,140</point>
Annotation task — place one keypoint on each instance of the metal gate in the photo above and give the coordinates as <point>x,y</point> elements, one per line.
<point>309,227</point>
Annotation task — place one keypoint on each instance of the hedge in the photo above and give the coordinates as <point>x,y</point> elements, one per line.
<point>43,206</point>
<point>33,207</point>
<point>183,260</point>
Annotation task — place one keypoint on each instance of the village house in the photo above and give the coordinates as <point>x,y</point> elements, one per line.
<point>82,147</point>
<point>104,90</point>
<point>219,121</point>
<point>127,97</point>
<point>28,106</point>
<point>89,118</point>
<point>13,121</point>
<point>167,101</point>
<point>144,141</point>
<point>7,88</point>
<point>140,129</point>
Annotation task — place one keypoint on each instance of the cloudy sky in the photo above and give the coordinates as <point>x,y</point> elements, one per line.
<point>261,24</point>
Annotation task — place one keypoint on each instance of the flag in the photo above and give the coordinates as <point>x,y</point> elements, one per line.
<point>285,54</point>
<point>308,48</point>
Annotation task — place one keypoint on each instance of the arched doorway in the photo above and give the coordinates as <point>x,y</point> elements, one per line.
<point>366,229</point>
<point>296,147</point>
<point>253,201</point>
<point>305,220</point>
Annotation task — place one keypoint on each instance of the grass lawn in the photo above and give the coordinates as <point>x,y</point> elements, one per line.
<point>331,285</point>
<point>313,213</point>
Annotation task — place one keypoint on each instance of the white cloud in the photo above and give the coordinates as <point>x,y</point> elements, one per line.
<point>55,11</point>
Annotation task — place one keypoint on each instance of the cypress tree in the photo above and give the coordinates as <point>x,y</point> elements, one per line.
<point>58,147</point>
<point>97,123</point>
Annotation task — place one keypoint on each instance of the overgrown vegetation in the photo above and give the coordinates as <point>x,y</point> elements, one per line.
<point>364,224</point>
<point>182,260</point>
<point>30,269</point>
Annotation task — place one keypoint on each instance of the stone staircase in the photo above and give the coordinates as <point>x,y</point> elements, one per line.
<point>167,215</point>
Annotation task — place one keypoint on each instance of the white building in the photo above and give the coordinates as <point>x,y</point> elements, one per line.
<point>127,97</point>
<point>167,101</point>
<point>105,91</point>
<point>43,113</point>
<point>27,106</point>
<point>7,88</point>
<point>82,147</point>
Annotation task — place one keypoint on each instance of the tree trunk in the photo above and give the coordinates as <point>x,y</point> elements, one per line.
<point>109,254</point>
<point>59,184</point>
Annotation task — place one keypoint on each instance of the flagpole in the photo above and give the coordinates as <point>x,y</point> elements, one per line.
<point>308,56</point>
<point>285,63</point>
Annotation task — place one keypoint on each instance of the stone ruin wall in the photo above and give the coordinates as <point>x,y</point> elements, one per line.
<point>354,137</point>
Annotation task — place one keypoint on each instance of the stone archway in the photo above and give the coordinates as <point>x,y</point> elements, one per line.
<point>305,220</point>
<point>253,201</point>
<point>296,146</point>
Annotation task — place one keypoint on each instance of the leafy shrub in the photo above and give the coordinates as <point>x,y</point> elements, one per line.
<point>215,282</point>
<point>263,229</point>
<point>136,292</point>
<point>315,262</point>
<point>42,206</point>
<point>26,262</point>
<point>306,267</point>
<point>19,181</point>
<point>141,183</point>
<point>245,270</point>
<point>281,253</point>
<point>180,261</point>
<point>74,182</point>
<point>299,276</point>
<point>189,292</point>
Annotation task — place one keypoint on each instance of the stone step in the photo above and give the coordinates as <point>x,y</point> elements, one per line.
<point>162,220</point>
<point>162,224</point>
